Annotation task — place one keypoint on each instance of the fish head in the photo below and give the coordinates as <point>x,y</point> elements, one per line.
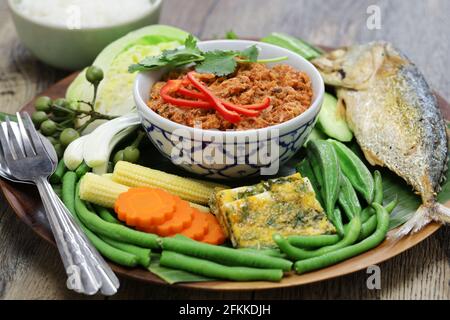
<point>352,67</point>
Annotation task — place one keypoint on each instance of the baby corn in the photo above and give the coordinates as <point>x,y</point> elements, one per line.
<point>188,189</point>
<point>101,190</point>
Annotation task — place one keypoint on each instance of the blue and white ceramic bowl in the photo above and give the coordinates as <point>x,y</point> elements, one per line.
<point>231,154</point>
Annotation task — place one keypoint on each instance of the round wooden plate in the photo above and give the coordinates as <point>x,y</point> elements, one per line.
<point>26,203</point>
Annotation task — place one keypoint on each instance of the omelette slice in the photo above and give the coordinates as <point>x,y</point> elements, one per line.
<point>288,206</point>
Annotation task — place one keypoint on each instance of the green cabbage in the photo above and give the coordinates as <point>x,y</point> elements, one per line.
<point>115,95</point>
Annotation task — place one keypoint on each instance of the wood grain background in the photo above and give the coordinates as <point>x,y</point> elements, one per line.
<point>31,269</point>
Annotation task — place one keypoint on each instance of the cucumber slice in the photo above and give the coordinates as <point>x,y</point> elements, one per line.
<point>332,122</point>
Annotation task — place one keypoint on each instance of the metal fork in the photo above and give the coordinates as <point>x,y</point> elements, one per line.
<point>27,160</point>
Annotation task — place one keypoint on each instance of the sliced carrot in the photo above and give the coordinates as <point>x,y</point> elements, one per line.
<point>215,234</point>
<point>142,207</point>
<point>181,219</point>
<point>199,226</point>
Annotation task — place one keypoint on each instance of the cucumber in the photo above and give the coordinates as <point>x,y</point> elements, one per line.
<point>331,122</point>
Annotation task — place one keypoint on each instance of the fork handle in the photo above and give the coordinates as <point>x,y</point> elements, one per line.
<point>110,282</point>
<point>81,278</point>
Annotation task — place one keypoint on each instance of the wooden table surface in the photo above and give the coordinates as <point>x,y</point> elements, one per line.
<point>31,269</point>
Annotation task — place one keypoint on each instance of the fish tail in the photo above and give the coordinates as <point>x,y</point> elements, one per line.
<point>423,216</point>
<point>419,220</point>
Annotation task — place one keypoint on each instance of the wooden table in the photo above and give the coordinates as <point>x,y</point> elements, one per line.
<point>31,269</point>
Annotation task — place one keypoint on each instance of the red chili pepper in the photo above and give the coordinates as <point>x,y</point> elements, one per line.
<point>258,106</point>
<point>198,95</point>
<point>171,87</point>
<point>228,115</point>
<point>191,93</point>
<point>240,110</point>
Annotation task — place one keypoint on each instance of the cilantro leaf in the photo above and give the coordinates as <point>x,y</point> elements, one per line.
<point>191,43</point>
<point>171,58</point>
<point>147,64</point>
<point>220,63</point>
<point>251,53</point>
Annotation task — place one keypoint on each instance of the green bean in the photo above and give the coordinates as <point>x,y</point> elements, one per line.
<point>267,252</point>
<point>112,230</point>
<point>313,242</point>
<point>108,251</point>
<point>370,225</point>
<point>337,216</point>
<point>378,185</point>
<point>326,166</point>
<point>58,190</point>
<point>306,170</point>
<point>142,254</point>
<point>366,214</point>
<point>368,228</point>
<point>348,199</point>
<point>56,177</point>
<point>217,271</point>
<point>355,170</point>
<point>11,117</point>
<point>390,207</point>
<point>294,253</point>
<point>82,170</point>
<point>369,211</point>
<point>345,253</point>
<point>106,215</point>
<point>69,181</point>
<point>112,253</point>
<point>224,255</point>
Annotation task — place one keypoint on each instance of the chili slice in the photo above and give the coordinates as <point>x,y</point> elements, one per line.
<point>198,95</point>
<point>172,86</point>
<point>228,115</point>
<point>238,108</point>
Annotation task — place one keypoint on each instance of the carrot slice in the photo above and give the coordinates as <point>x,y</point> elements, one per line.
<point>215,234</point>
<point>199,226</point>
<point>181,219</point>
<point>142,207</point>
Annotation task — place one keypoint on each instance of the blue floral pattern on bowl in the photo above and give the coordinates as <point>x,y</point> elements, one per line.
<point>289,144</point>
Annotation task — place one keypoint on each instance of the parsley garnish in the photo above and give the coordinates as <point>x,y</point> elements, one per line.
<point>219,62</point>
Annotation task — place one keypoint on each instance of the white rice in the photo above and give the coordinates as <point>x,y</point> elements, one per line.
<point>81,14</point>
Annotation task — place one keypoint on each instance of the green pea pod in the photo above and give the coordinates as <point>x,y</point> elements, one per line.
<point>348,199</point>
<point>326,167</point>
<point>306,170</point>
<point>355,170</point>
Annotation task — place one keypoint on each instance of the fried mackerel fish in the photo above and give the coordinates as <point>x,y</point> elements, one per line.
<point>287,206</point>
